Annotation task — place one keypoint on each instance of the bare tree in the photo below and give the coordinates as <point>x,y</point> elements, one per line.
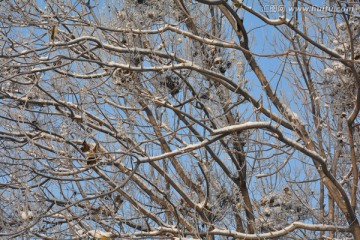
<point>206,119</point>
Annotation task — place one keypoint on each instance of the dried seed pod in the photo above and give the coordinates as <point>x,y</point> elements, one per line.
<point>118,200</point>
<point>54,31</point>
<point>218,60</point>
<point>287,191</point>
<point>123,76</point>
<point>171,83</point>
<point>93,152</point>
